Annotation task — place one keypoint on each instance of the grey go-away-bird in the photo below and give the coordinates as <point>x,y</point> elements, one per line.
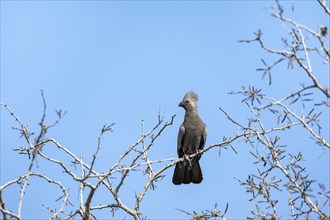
<point>191,139</point>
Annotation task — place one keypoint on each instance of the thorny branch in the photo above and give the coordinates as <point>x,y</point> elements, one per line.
<point>293,52</point>
<point>207,214</point>
<point>293,178</point>
<point>89,174</point>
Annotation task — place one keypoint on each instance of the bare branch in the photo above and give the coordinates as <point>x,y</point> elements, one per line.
<point>324,6</point>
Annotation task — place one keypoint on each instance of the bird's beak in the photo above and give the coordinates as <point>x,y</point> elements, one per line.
<point>181,104</point>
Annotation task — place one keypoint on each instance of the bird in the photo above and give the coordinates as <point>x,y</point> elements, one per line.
<point>191,139</point>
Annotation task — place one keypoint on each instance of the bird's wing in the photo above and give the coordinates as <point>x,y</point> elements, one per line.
<point>181,134</point>
<point>203,139</point>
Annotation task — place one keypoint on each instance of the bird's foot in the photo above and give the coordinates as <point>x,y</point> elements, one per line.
<point>187,158</point>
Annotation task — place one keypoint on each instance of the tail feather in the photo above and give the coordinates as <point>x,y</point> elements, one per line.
<point>179,173</point>
<point>196,173</point>
<point>184,173</point>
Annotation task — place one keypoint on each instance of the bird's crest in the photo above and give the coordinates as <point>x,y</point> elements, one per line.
<point>191,96</point>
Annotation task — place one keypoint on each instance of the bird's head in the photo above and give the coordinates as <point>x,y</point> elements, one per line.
<point>189,101</point>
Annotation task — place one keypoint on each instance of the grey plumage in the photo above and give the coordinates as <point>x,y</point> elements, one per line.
<point>191,138</point>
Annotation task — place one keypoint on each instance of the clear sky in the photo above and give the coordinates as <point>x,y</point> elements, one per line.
<point>125,61</point>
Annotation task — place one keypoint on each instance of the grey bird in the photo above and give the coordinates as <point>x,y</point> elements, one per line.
<point>191,139</point>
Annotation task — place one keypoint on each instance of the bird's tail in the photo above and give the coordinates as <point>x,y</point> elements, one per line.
<point>186,173</point>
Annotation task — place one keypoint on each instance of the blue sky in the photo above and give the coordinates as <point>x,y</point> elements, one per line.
<point>125,61</point>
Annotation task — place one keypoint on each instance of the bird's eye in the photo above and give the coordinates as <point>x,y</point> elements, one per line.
<point>187,101</point>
